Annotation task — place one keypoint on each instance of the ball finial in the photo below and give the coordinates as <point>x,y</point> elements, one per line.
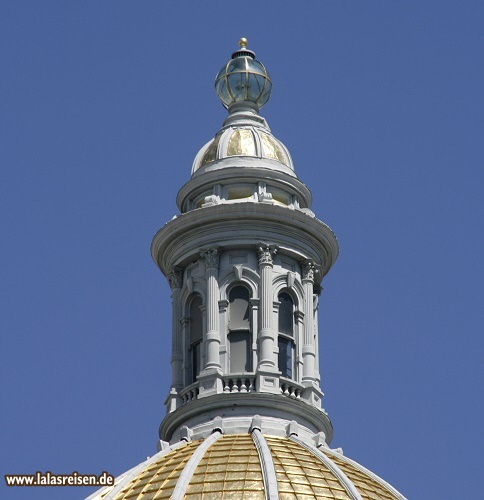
<point>243,80</point>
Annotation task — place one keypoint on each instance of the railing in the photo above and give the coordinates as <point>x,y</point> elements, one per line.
<point>242,382</point>
<point>190,393</point>
<point>290,388</point>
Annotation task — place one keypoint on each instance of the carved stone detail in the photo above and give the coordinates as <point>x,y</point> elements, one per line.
<point>175,278</point>
<point>190,284</point>
<point>309,271</point>
<point>263,195</point>
<point>211,256</point>
<point>238,270</point>
<point>266,253</point>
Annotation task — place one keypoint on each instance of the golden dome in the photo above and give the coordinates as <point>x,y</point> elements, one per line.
<point>232,467</point>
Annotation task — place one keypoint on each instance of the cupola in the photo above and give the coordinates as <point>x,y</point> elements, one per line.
<point>244,86</point>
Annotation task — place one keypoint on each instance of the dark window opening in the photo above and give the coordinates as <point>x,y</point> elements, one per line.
<point>239,330</point>
<point>196,335</point>
<point>286,314</point>
<point>286,333</point>
<point>240,358</point>
<point>285,357</point>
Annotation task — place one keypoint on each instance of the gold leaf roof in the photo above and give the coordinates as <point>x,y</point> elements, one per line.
<point>232,469</point>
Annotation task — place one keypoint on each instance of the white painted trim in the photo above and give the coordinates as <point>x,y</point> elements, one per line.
<point>129,475</point>
<point>267,464</point>
<point>192,464</point>
<point>343,479</point>
<point>368,472</point>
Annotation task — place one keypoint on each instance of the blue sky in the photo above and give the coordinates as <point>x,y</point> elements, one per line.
<point>104,105</point>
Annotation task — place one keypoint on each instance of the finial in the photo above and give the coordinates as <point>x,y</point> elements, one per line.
<point>243,79</point>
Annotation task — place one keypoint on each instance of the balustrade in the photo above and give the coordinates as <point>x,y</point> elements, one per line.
<point>290,388</point>
<point>239,383</point>
<point>190,393</point>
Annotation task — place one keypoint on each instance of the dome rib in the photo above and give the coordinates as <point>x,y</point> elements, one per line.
<point>357,474</point>
<point>192,464</point>
<point>344,480</point>
<point>301,475</point>
<point>126,478</point>
<point>267,464</point>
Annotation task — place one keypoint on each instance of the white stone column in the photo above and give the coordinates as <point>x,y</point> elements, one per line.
<point>317,291</point>
<point>210,378</point>
<point>223,326</point>
<point>254,308</point>
<point>175,279</point>
<point>212,337</point>
<point>308,347</point>
<point>267,371</point>
<point>312,392</point>
<point>266,333</point>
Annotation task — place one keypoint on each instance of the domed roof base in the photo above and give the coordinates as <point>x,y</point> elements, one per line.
<point>248,466</point>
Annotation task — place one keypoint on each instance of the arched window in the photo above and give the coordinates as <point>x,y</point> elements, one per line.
<point>239,330</point>
<point>196,335</point>
<point>286,335</point>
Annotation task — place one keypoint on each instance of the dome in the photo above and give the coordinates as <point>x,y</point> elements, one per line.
<point>249,466</point>
<point>243,141</point>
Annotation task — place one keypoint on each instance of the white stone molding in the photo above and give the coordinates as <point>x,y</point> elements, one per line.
<point>189,284</point>
<point>241,225</point>
<point>256,423</point>
<point>250,278</point>
<point>267,465</point>
<point>279,284</point>
<point>291,278</point>
<point>263,194</point>
<point>292,428</point>
<point>320,440</point>
<point>342,477</point>
<point>276,410</point>
<point>200,186</point>
<point>192,464</point>
<point>238,270</point>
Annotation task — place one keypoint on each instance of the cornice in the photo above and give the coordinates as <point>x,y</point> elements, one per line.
<point>244,224</point>
<point>270,405</point>
<point>257,172</point>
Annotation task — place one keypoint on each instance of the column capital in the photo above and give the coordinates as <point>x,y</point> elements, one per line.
<point>266,253</point>
<point>175,278</point>
<point>211,256</point>
<point>309,271</point>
